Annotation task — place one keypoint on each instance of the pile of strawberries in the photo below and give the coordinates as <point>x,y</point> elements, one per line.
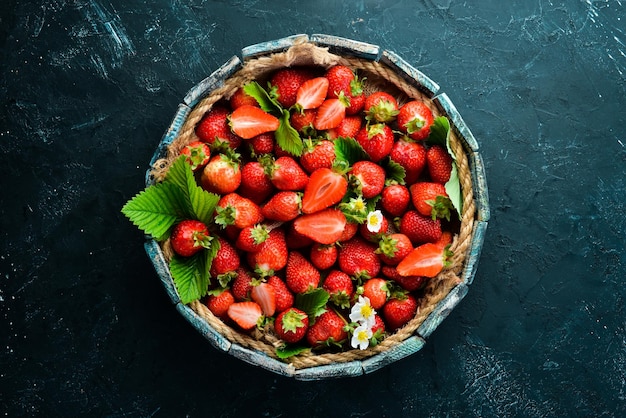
<point>324,190</point>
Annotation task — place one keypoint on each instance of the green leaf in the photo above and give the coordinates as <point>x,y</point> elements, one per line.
<point>262,97</point>
<point>191,274</point>
<point>155,209</point>
<point>348,149</point>
<point>287,137</point>
<point>287,351</point>
<point>439,131</point>
<point>313,303</point>
<point>394,171</point>
<point>453,188</point>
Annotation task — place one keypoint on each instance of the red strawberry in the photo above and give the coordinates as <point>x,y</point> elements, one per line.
<point>284,297</point>
<point>415,119</point>
<point>349,231</point>
<point>357,101</point>
<point>296,240</point>
<point>198,154</point>
<point>419,228</point>
<point>286,174</point>
<point>189,237</point>
<point>284,206</point>
<point>312,93</point>
<point>320,154</point>
<point>376,291</point>
<point>395,199</point>
<point>374,236</point>
<point>368,177</point>
<point>377,140</point>
<point>339,79</point>
<point>399,311</point>
<point>330,114</point>
<point>261,144</point>
<point>327,330</point>
<point>291,325</point>
<point>411,156</point>
<point>219,301</point>
<point>445,240</point>
<point>245,314</point>
<point>286,82</point>
<point>226,260</point>
<point>249,121</point>
<point>378,330</point>
<point>241,98</point>
<point>214,126</point>
<point>265,296</point>
<point>409,283</point>
<point>241,286</point>
<point>300,274</point>
<point>272,256</point>
<point>325,226</point>
<point>358,258</point>
<point>431,199</point>
<point>251,237</point>
<point>325,188</point>
<point>221,175</point>
<point>426,260</point>
<point>439,164</point>
<point>393,248</point>
<point>256,185</point>
<point>233,209</point>
<point>323,256</point>
<point>348,128</point>
<point>303,121</point>
<point>340,288</point>
<point>380,107</point>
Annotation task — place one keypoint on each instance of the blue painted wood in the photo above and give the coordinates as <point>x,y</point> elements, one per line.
<point>406,348</point>
<point>344,46</point>
<point>479,184</point>
<point>445,104</point>
<point>409,73</point>
<point>474,251</point>
<point>331,371</point>
<point>162,269</point>
<point>215,80</point>
<point>271,47</point>
<point>260,359</point>
<point>207,331</point>
<point>442,310</point>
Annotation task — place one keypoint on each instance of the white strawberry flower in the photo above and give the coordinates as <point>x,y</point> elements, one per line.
<point>363,313</point>
<point>374,221</point>
<point>361,337</point>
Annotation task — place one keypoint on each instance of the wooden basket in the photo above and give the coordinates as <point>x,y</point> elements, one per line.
<point>441,294</point>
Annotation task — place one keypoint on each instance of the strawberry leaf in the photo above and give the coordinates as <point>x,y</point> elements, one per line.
<point>453,188</point>
<point>313,303</point>
<point>348,149</point>
<point>288,350</point>
<point>191,274</point>
<point>287,137</point>
<point>263,98</point>
<point>439,131</point>
<point>394,171</point>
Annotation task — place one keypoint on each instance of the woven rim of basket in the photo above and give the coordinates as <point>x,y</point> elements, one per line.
<point>306,53</point>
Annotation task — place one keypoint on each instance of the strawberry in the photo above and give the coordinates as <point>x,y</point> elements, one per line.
<point>375,235</point>
<point>368,177</point>
<point>415,119</point>
<point>409,283</point>
<point>320,154</point>
<point>245,314</point>
<point>311,93</point>
<point>256,185</point>
<point>340,288</point>
<point>272,256</point>
<point>226,261</point>
<point>219,301</point>
<point>189,237</point>
<point>323,256</point>
<point>330,114</point>
<point>214,127</point>
<point>264,294</point>
<point>261,144</point>
<point>284,206</point>
<point>251,237</point>
<point>377,140</point>
<point>380,106</point>
<point>399,310</point>
<point>296,240</point>
<point>445,240</point>
<point>411,156</point>
<point>339,79</point>
<point>303,121</point>
<point>221,175</point>
<point>198,154</point>
<point>300,274</point>
<point>349,231</point>
<point>241,98</point>
<point>358,258</point>
<point>348,128</point>
<point>439,164</point>
<point>325,188</point>
<point>378,330</point>
<point>291,325</point>
<point>431,199</point>
<point>285,173</point>
<point>426,260</point>
<point>327,330</point>
<point>241,285</point>
<point>249,121</point>
<point>284,297</point>
<point>376,291</point>
<point>393,248</point>
<point>395,199</point>
<point>286,82</point>
<point>233,209</point>
<point>419,228</point>
<point>325,226</point>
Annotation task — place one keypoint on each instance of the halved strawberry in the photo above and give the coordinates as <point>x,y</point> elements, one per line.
<point>325,188</point>
<point>249,121</point>
<point>312,93</point>
<point>245,314</point>
<point>426,260</point>
<point>265,296</point>
<point>330,114</point>
<point>325,226</point>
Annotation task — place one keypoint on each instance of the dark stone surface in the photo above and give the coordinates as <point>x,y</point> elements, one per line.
<point>87,89</point>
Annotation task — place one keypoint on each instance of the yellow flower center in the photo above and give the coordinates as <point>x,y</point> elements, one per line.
<point>362,335</point>
<point>366,311</point>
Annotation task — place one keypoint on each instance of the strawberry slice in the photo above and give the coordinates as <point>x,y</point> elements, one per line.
<point>426,260</point>
<point>325,188</point>
<point>330,114</point>
<point>245,314</point>
<point>249,121</point>
<point>325,226</point>
<point>264,295</point>
<point>312,93</point>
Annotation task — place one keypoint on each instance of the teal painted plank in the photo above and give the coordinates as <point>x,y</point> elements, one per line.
<point>162,269</point>
<point>479,184</point>
<point>404,349</point>
<point>203,327</point>
<point>409,73</point>
<point>471,260</point>
<point>332,371</point>
<point>442,310</point>
<point>262,360</point>
<point>215,80</point>
<point>344,46</point>
<point>446,105</point>
<point>271,47</point>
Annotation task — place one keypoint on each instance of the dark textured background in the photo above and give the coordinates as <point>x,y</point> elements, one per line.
<point>87,90</point>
